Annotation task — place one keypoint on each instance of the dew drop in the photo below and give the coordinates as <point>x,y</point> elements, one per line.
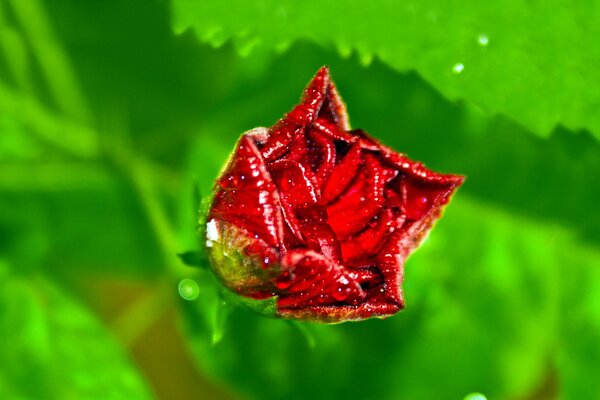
<point>365,58</point>
<point>345,51</point>
<point>188,289</point>
<point>475,396</point>
<point>282,285</point>
<point>340,294</point>
<point>458,68</point>
<point>245,45</point>
<point>483,40</point>
<point>284,281</point>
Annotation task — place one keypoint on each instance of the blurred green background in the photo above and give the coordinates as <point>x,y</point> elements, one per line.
<point>114,114</point>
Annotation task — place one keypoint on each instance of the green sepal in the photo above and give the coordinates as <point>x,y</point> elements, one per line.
<point>194,259</point>
<point>267,307</point>
<point>218,320</point>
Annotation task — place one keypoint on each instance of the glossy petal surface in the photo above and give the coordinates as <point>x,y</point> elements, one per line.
<point>328,215</point>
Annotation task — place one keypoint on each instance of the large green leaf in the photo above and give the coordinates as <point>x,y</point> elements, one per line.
<point>487,296</point>
<point>55,349</point>
<point>535,62</point>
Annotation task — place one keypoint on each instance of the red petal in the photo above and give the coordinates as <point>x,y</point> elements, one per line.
<point>365,244</point>
<point>295,190</point>
<point>279,140</point>
<point>361,202</point>
<point>342,174</point>
<point>324,163</point>
<point>330,129</point>
<point>247,195</point>
<point>315,277</point>
<point>339,211</point>
<point>319,235</point>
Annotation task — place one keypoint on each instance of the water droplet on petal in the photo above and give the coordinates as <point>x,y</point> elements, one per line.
<point>188,289</point>
<point>282,285</point>
<point>343,280</point>
<point>458,68</point>
<point>340,294</point>
<point>483,40</point>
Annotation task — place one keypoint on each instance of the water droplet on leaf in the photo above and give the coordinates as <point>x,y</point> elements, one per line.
<point>475,396</point>
<point>483,40</point>
<point>188,289</point>
<point>458,68</point>
<point>340,294</point>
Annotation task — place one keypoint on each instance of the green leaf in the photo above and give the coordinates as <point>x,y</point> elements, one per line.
<point>40,325</point>
<point>266,307</point>
<point>532,61</point>
<point>486,299</point>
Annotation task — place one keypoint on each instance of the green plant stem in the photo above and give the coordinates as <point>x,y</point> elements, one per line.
<point>74,138</point>
<point>53,60</point>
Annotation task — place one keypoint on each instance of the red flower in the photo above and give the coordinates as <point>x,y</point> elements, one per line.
<point>321,216</point>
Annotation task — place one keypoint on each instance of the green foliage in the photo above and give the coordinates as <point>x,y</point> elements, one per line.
<point>55,348</point>
<point>486,298</point>
<point>112,127</point>
<point>531,61</point>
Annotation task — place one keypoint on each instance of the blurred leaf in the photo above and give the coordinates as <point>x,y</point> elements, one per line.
<point>160,103</point>
<point>43,93</point>
<point>53,62</point>
<point>15,144</point>
<point>97,228</point>
<point>579,357</point>
<point>55,349</point>
<point>484,309</point>
<point>507,57</point>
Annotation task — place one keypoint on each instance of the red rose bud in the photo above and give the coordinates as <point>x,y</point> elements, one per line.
<point>319,216</point>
